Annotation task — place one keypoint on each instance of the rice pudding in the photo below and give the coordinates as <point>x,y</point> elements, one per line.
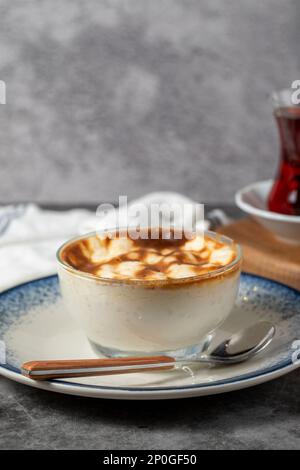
<point>149,295</point>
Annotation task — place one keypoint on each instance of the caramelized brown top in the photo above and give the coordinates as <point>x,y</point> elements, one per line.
<point>148,259</point>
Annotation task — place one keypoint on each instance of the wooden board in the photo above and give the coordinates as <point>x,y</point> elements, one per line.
<point>264,254</point>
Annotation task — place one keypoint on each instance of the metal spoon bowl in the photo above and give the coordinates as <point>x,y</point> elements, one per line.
<point>242,345</point>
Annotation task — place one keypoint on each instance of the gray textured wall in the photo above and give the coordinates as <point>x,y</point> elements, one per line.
<point>110,97</point>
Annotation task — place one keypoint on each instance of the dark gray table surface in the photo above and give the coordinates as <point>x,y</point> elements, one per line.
<point>262,417</point>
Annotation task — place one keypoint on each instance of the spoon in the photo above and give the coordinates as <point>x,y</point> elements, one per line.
<point>239,347</point>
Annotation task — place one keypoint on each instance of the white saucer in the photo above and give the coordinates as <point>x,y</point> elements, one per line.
<point>35,325</point>
<point>253,200</point>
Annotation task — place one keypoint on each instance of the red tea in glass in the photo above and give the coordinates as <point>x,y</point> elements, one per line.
<point>285,194</point>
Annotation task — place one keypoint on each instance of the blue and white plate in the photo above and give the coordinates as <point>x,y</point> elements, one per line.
<point>34,325</point>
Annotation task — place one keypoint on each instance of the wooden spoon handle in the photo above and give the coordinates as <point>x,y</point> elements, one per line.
<point>45,370</point>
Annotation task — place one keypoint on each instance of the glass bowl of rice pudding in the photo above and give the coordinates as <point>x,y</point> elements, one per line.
<point>144,296</point>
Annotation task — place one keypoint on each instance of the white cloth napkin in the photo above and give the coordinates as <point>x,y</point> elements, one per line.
<point>30,236</point>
